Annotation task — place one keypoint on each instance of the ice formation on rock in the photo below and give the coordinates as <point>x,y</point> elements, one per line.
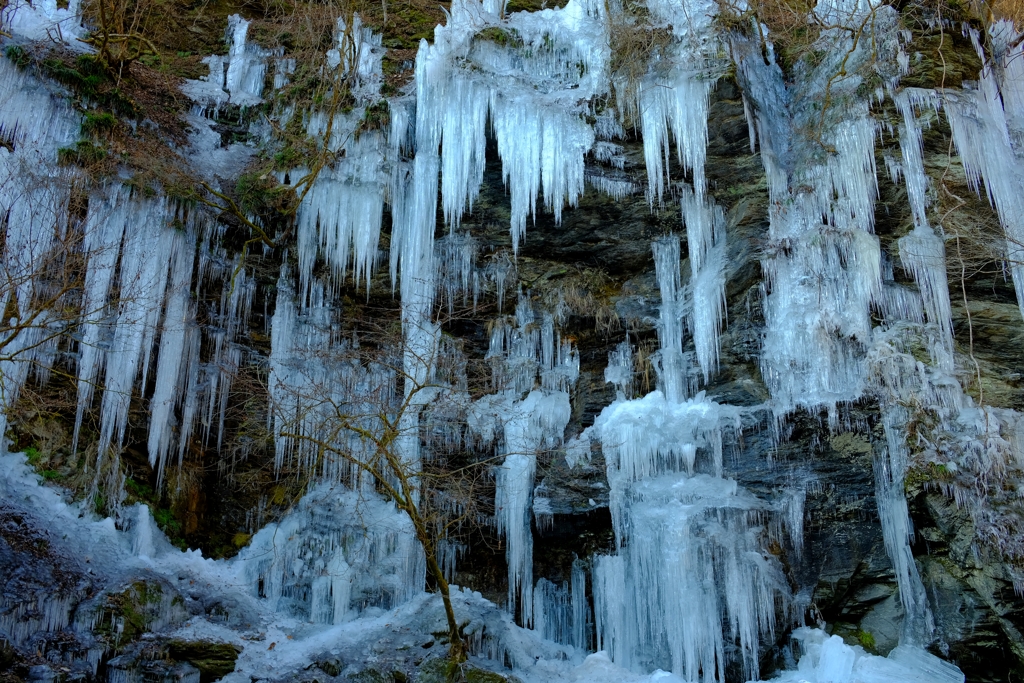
<point>340,552</point>
<point>691,586</point>
<point>684,532</point>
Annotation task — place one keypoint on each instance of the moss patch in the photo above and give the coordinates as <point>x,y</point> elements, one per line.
<point>214,660</point>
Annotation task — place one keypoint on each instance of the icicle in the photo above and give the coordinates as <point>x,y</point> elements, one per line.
<point>538,420</point>
<point>172,353</point>
<point>540,151</point>
<point>533,100</point>
<point>34,197</point>
<point>981,132</point>
<point>679,106</point>
<point>705,238</point>
<point>340,217</point>
<point>924,256</point>
<point>552,612</point>
<point>145,258</point>
<point>581,621</point>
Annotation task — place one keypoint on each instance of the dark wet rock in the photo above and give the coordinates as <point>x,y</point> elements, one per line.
<point>134,668</point>
<point>331,665</point>
<point>213,660</point>
<point>441,670</point>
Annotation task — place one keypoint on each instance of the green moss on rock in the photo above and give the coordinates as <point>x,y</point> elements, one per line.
<point>214,660</point>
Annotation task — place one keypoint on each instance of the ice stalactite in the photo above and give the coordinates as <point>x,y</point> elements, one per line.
<point>986,125</point>
<point>690,578</point>
<point>825,273</point>
<point>673,370</point>
<point>413,239</point>
<point>676,106</point>
<point>232,318</point>
<point>561,612</point>
<point>457,272</point>
<point>922,252</point>
<point>552,612</point>
<point>104,230</point>
<point>339,218</point>
<point>521,354</point>
<point>314,378</point>
<point>582,618</point>
<point>533,98</point>
<point>679,106</point>
<point>923,255</point>
<point>178,315</point>
<point>145,258</point>
<point>897,531</point>
<point>705,238</point>
<point>620,370</point>
<point>969,442</point>
<point>38,238</point>
<point>536,422</point>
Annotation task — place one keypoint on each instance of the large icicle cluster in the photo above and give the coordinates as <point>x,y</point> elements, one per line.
<point>532,95</point>
<point>690,575</point>
<point>987,124</point>
<point>33,199</point>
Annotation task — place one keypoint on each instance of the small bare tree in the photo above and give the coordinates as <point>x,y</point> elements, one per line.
<point>354,413</point>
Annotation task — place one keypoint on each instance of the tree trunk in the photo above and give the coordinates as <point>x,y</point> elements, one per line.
<point>456,647</point>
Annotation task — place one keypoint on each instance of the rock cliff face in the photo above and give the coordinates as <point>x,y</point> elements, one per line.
<point>600,453</point>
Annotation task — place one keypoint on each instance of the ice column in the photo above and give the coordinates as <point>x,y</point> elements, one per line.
<point>690,574</point>
<point>412,252</point>
<point>897,533</point>
<point>172,355</point>
<point>671,366</point>
<point>705,237</point>
<point>581,619</point>
<point>822,265</point>
<point>527,426</point>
